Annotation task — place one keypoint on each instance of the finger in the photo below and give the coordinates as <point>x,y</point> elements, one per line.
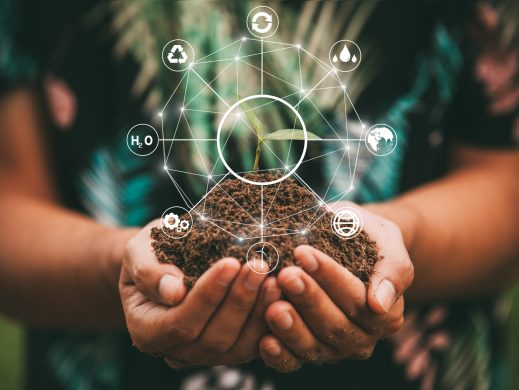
<point>224,327</point>
<point>160,282</point>
<point>157,328</point>
<point>275,355</point>
<point>348,292</point>
<point>206,296</point>
<point>288,326</point>
<point>345,289</point>
<point>246,347</point>
<point>391,277</point>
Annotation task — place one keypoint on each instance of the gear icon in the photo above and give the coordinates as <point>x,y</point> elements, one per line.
<point>184,225</point>
<point>171,221</point>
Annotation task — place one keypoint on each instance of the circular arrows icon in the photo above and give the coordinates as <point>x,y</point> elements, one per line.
<point>255,25</point>
<point>171,56</point>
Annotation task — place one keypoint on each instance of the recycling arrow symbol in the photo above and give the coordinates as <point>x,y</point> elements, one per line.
<point>171,56</point>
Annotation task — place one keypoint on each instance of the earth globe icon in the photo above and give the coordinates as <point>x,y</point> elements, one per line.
<point>381,140</point>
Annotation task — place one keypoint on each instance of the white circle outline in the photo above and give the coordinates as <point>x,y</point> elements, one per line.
<point>330,56</point>
<point>150,126</point>
<point>265,244</point>
<point>162,222</point>
<point>222,121</point>
<point>189,62</point>
<point>263,36</point>
<point>369,147</point>
<point>351,209</point>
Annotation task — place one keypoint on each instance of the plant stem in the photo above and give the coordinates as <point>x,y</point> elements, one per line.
<point>258,153</point>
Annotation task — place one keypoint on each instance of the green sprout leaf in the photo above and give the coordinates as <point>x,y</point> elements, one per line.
<point>253,119</point>
<point>290,134</point>
<point>280,135</point>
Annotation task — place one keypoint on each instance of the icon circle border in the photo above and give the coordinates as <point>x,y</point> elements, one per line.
<point>351,209</point>
<point>263,36</point>
<point>330,56</point>
<point>369,147</point>
<point>150,126</point>
<point>166,212</point>
<point>188,62</point>
<point>268,244</point>
<point>237,104</point>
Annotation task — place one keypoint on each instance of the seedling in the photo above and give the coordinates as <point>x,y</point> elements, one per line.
<point>279,135</point>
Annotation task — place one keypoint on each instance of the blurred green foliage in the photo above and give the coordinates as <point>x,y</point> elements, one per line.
<point>512,342</point>
<point>11,355</point>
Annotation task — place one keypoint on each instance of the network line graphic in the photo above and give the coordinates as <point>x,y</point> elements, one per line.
<point>250,108</point>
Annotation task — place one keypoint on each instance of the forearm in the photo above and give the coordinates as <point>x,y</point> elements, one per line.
<point>58,268</point>
<point>462,231</point>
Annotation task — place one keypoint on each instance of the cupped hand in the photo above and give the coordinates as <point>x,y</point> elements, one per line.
<point>219,321</point>
<point>329,314</point>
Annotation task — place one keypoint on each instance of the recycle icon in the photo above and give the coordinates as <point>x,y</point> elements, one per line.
<point>174,60</point>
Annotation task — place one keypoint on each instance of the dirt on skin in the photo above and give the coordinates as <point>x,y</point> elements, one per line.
<point>236,207</point>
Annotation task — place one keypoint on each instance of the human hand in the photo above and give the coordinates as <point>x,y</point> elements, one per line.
<point>219,321</point>
<point>330,314</point>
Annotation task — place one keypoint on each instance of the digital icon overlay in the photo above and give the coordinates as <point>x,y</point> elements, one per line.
<point>346,223</point>
<point>262,257</point>
<point>249,66</point>
<point>381,140</point>
<point>345,56</point>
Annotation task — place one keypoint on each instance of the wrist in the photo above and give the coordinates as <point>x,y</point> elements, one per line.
<point>113,242</point>
<point>406,218</point>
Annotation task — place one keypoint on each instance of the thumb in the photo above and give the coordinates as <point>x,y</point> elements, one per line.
<point>390,278</point>
<point>159,282</point>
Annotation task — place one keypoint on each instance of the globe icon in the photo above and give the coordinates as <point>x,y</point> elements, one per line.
<point>381,140</point>
<point>346,223</point>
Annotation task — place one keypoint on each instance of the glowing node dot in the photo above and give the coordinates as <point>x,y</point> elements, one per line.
<point>165,167</point>
<point>160,114</point>
<point>190,65</point>
<point>182,109</point>
<point>303,232</point>
<point>298,46</point>
<point>244,39</point>
<point>237,58</point>
<point>302,90</point>
<point>203,218</point>
<point>209,177</point>
<point>343,87</point>
<point>261,226</point>
<point>286,167</point>
<point>363,126</point>
<point>240,238</point>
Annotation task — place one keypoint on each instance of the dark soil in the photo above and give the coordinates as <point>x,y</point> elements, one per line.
<point>293,209</point>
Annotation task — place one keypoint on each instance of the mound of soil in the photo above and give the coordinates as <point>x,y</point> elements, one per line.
<point>235,207</point>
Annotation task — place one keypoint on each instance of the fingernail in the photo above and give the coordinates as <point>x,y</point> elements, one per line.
<point>168,287</point>
<point>227,275</point>
<point>309,262</point>
<point>295,285</point>
<point>385,294</point>
<point>272,295</point>
<point>284,321</point>
<point>253,279</point>
<point>273,348</point>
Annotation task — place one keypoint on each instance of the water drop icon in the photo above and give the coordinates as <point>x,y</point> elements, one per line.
<point>335,59</point>
<point>354,58</point>
<point>345,54</point>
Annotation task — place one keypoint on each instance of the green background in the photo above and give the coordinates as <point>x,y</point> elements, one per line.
<point>11,349</point>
